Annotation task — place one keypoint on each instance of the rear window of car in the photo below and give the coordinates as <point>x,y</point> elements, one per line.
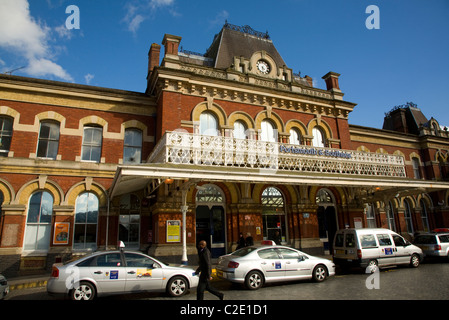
<point>444,238</point>
<point>426,239</point>
<point>368,241</point>
<point>243,252</point>
<point>350,240</point>
<point>339,240</point>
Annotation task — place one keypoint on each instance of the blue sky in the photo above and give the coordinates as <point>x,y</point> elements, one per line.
<point>406,59</point>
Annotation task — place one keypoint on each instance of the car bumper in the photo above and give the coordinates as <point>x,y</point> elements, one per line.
<point>229,275</point>
<point>57,286</point>
<point>433,253</point>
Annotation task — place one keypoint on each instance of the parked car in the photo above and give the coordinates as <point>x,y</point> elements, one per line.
<point>373,248</point>
<point>118,272</point>
<point>433,244</point>
<point>254,266</point>
<point>4,287</point>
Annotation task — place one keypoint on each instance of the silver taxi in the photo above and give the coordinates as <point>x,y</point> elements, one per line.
<point>254,266</point>
<point>118,272</point>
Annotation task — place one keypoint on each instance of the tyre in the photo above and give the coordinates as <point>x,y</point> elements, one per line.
<point>85,291</point>
<point>319,273</point>
<point>254,280</point>
<point>177,286</point>
<point>372,267</point>
<point>414,261</point>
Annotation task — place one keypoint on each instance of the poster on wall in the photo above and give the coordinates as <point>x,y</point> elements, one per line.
<point>173,230</point>
<point>61,234</point>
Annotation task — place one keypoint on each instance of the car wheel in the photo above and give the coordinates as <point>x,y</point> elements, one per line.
<point>177,286</point>
<point>414,261</point>
<point>254,280</point>
<point>372,267</point>
<point>319,273</point>
<point>85,291</point>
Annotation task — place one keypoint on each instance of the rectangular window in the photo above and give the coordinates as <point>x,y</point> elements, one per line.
<point>132,151</point>
<point>5,135</point>
<point>48,144</point>
<point>416,172</point>
<point>92,142</point>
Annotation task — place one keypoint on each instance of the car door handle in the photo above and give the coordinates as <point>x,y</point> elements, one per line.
<point>98,272</point>
<point>264,263</point>
<point>131,272</point>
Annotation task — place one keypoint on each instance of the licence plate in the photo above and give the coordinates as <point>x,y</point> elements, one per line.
<point>340,251</point>
<point>220,273</point>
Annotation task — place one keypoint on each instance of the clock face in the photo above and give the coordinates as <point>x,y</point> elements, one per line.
<point>263,66</point>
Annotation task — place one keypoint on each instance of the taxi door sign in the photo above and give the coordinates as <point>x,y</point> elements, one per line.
<point>388,251</point>
<point>113,274</point>
<point>278,265</point>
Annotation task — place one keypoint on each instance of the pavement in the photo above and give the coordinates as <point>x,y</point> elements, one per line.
<point>40,280</point>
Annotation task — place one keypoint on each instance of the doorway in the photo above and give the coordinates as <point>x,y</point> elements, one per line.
<point>210,227</point>
<point>327,218</point>
<point>210,219</point>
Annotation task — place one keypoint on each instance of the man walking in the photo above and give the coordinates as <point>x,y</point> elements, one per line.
<point>205,271</point>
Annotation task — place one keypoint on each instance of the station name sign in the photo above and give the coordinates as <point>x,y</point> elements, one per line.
<point>315,151</point>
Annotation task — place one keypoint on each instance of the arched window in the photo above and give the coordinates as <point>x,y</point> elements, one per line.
<point>38,227</point>
<point>390,217</point>
<point>424,216</point>
<point>436,129</point>
<point>370,216</point>
<point>208,124</point>
<point>318,138</point>
<point>129,220</point>
<point>295,137</point>
<point>267,131</point>
<point>48,143</point>
<point>5,135</point>
<point>408,217</point>
<point>132,147</point>
<point>86,219</point>
<point>273,214</point>
<point>240,130</point>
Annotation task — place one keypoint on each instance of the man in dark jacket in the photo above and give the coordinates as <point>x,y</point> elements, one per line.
<point>205,271</point>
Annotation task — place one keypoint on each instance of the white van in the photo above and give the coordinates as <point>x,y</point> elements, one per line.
<point>373,248</point>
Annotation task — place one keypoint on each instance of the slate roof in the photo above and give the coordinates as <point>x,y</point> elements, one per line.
<point>243,41</point>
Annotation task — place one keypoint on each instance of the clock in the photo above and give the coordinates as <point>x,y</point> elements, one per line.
<point>263,66</point>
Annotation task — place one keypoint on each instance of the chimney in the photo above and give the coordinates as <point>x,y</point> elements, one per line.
<point>171,44</point>
<point>153,57</point>
<point>309,80</point>
<point>331,79</point>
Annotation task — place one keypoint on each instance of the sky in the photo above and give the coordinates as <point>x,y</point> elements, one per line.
<point>390,54</point>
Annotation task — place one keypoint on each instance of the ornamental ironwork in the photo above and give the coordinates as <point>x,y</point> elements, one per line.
<point>179,147</point>
<point>247,29</point>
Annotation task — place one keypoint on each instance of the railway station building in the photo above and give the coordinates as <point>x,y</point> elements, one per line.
<point>224,142</point>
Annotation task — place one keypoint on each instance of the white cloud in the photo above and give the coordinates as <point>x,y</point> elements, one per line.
<point>24,36</point>
<point>42,67</point>
<point>160,3</point>
<point>88,77</point>
<point>140,10</point>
